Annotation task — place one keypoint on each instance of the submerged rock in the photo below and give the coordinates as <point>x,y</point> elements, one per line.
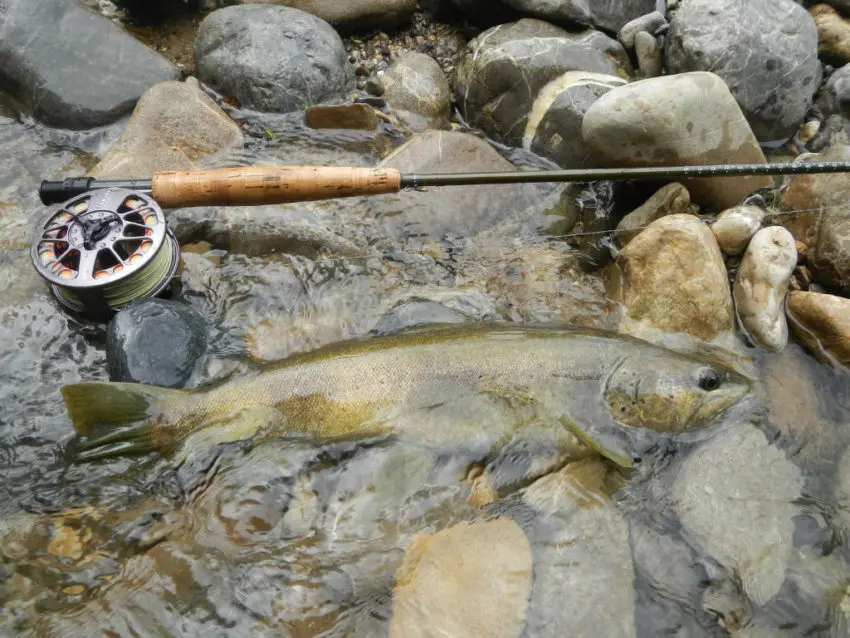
<point>765,50</point>
<point>174,125</point>
<point>553,559</point>
<point>272,58</point>
<point>676,120</point>
<point>672,199</point>
<point>71,67</point>
<point>554,124</point>
<point>416,312</point>
<point>463,211</point>
<point>735,227</point>
<point>418,91</point>
<point>342,116</point>
<point>734,496</point>
<point>352,14</point>
<point>506,67</point>
<point>761,285</point>
<point>155,341</point>
<point>671,277</point>
<point>822,323</point>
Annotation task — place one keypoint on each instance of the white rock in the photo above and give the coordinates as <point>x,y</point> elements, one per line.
<point>648,53</point>
<point>735,227</point>
<point>761,286</point>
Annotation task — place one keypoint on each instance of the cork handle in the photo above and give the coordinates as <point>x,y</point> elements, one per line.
<point>245,186</point>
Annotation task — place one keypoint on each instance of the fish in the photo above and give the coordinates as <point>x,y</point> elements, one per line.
<point>501,392</point>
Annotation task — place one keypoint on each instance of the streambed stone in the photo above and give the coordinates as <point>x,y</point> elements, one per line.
<point>71,67</point>
<point>506,67</point>
<point>676,120</point>
<point>735,227</point>
<point>822,323</point>
<point>765,50</point>
<point>348,15</point>
<point>272,58</point>
<point>418,91</point>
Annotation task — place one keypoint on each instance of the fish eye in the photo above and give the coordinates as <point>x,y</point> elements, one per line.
<point>709,379</point>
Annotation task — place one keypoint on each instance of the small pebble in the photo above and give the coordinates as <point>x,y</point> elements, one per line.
<point>802,252</point>
<point>734,228</point>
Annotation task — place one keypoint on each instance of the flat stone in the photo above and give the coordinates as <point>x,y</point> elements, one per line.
<point>676,120</point>
<point>342,116</point>
<point>72,68</point>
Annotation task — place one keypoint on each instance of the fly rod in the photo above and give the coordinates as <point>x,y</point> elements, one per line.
<point>246,186</point>
<point>109,242</point>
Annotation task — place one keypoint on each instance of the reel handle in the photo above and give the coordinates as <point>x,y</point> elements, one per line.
<point>247,186</point>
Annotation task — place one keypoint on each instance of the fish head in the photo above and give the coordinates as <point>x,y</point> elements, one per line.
<point>671,393</point>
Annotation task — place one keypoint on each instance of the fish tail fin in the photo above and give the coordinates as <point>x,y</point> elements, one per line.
<point>116,418</point>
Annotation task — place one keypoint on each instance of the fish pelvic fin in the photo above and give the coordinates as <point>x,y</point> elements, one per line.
<point>116,418</point>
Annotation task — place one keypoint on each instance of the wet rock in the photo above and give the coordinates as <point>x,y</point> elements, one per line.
<point>650,23</point>
<point>554,124</point>
<point>734,496</point>
<point>418,91</point>
<point>506,67</point>
<point>155,341</point>
<point>347,116</point>
<point>672,278</point>
<point>676,120</point>
<point>462,211</point>
<point>271,58</point>
<point>765,50</point>
<point>353,14</point>
<point>735,227</point>
<point>174,125</point>
<point>648,53</point>
<point>822,323</point>
<point>833,33</point>
<point>761,285</point>
<point>416,312</point>
<point>835,97</point>
<point>571,12</point>
<point>613,15</point>
<point>90,78</point>
<point>824,224</point>
<point>486,567</point>
<point>672,199</point>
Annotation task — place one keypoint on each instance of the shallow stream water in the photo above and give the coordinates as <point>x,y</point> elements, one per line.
<point>287,537</point>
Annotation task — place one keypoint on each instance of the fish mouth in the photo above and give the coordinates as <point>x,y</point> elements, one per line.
<point>714,409</point>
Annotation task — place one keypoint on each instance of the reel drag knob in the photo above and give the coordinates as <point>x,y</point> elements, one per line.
<point>105,248</point>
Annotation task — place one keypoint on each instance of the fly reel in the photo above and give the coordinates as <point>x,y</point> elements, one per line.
<point>105,248</point>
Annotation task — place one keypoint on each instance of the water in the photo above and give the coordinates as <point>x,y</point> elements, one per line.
<point>289,537</point>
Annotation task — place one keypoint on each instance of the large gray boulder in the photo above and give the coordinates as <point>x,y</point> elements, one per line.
<point>71,67</point>
<point>272,59</point>
<point>506,67</point>
<point>765,50</point>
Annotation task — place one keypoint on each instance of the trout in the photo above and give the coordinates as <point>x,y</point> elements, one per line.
<point>475,388</point>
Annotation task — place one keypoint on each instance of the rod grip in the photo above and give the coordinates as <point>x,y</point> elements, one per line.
<point>246,186</point>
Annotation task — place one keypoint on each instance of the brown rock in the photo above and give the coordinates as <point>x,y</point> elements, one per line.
<point>822,323</point>
<point>468,580</point>
<point>802,252</point>
<point>672,278</point>
<point>342,116</point>
<point>672,199</point>
<point>833,33</point>
<point>174,125</point>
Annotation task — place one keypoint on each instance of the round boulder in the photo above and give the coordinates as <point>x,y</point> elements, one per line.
<point>765,50</point>
<point>272,59</point>
<point>155,341</point>
<point>506,67</point>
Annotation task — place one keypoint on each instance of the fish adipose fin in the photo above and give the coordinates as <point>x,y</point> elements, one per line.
<point>115,418</point>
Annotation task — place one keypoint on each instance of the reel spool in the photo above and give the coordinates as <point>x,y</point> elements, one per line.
<point>105,248</point>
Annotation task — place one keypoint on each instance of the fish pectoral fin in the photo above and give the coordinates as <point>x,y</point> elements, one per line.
<point>115,418</point>
<point>607,442</point>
